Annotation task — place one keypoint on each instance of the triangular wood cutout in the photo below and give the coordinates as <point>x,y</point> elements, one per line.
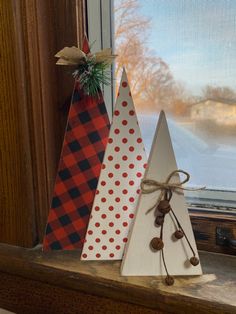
<point>79,168</point>
<point>139,258</point>
<point>118,187</point>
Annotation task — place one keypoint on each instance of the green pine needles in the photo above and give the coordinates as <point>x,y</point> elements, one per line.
<point>92,75</point>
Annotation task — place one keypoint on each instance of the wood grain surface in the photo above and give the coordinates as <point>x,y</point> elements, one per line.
<point>214,292</point>
<point>205,225</point>
<point>16,181</point>
<point>33,92</point>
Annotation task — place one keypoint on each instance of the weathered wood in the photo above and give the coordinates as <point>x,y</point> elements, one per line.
<point>33,91</point>
<point>214,292</point>
<point>16,180</point>
<point>205,225</point>
<point>28,296</point>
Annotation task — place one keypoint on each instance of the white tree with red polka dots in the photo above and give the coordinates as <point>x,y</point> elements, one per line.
<point>119,183</point>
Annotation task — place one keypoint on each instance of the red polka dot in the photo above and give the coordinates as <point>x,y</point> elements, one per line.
<point>125,224</point>
<point>139,157</point>
<point>90,247</point>
<point>103,199</point>
<point>125,174</point>
<point>97,192</point>
<point>111,240</point>
<point>98,255</point>
<point>110,140</point>
<point>124,84</point>
<point>131,182</point>
<point>139,140</point>
<point>125,191</point>
<point>117,183</point>
<point>104,232</point>
<point>110,192</point>
<point>117,199</point>
<point>97,224</point>
<point>139,174</point>
<point>111,255</point>
<point>117,131</point>
<point>97,208</point>
<point>145,166</point>
<point>131,112</point>
<point>124,140</point>
<point>131,216</point>
<point>124,103</point>
<point>117,216</point>
<point>124,122</point>
<point>103,166</point>
<point>104,247</point>
<point>111,224</point>
<point>117,149</point>
<point>97,240</point>
<point>110,175</point>
<point>84,255</point>
<point>90,232</point>
<point>138,191</point>
<point>131,166</point>
<point>131,199</point>
<point>118,247</point>
<point>125,240</point>
<point>104,216</point>
<point>131,131</point>
<point>125,208</point>
<point>131,148</point>
<point>117,166</point>
<point>129,93</point>
<point>111,208</point>
<point>103,183</point>
<point>117,231</point>
<point>116,112</point>
<point>110,158</point>
<point>124,158</point>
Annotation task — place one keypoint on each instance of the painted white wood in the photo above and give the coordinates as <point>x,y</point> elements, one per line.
<point>100,32</point>
<point>139,259</point>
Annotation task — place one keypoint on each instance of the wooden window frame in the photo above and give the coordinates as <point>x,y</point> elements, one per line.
<point>36,30</point>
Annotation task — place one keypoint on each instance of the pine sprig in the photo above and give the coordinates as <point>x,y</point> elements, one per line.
<point>91,75</point>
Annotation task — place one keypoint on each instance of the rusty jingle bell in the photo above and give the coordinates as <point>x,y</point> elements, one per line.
<point>159,220</point>
<point>179,234</point>
<point>194,261</point>
<point>157,244</point>
<point>164,207</point>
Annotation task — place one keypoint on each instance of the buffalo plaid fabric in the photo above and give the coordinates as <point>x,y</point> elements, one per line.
<point>79,169</point>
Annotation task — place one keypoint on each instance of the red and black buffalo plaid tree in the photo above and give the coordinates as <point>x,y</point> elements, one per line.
<point>82,152</point>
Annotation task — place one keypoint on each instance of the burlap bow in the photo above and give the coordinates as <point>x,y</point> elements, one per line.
<point>74,56</point>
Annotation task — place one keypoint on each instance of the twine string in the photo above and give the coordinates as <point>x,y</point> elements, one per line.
<point>149,186</point>
<point>167,188</point>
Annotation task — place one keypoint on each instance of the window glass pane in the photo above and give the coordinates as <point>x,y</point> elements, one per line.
<point>181,57</point>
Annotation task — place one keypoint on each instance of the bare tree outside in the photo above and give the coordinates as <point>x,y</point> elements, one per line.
<point>153,86</point>
<point>180,57</point>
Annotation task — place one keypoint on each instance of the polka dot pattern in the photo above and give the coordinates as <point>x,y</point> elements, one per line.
<point>114,206</point>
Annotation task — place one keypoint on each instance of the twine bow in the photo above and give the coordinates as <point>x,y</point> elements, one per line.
<point>149,186</point>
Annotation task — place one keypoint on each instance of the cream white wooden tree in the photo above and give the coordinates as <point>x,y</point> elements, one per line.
<point>140,258</point>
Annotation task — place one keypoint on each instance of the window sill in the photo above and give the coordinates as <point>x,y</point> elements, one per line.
<point>59,282</point>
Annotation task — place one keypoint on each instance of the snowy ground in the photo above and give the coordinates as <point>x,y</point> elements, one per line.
<point>210,164</point>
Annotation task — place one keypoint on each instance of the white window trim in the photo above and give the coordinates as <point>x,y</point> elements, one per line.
<point>101,35</point>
